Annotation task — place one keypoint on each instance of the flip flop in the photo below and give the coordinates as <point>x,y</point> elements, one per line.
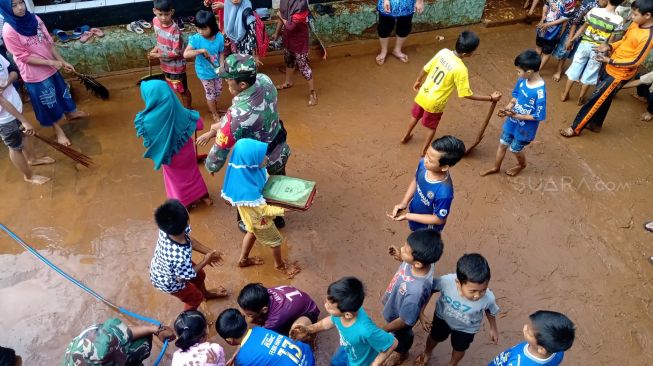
<point>134,27</point>
<point>650,230</point>
<point>97,31</point>
<point>61,35</point>
<point>144,24</point>
<point>403,58</point>
<point>85,37</point>
<point>79,31</point>
<point>180,23</point>
<point>380,60</point>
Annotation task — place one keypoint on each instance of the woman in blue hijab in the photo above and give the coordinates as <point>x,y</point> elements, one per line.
<point>240,26</point>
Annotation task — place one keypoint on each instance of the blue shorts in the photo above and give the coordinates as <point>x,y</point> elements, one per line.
<point>509,139</point>
<point>50,99</point>
<point>584,67</point>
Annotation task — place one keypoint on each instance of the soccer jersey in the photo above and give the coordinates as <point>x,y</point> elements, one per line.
<point>520,356</point>
<point>264,347</point>
<point>287,303</point>
<point>406,294</point>
<point>601,23</point>
<point>531,100</point>
<point>432,197</point>
<point>461,314</point>
<point>445,71</point>
<point>363,340</point>
<point>172,265</point>
<point>557,9</point>
<point>630,52</point>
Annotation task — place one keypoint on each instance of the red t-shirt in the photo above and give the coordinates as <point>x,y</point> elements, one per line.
<point>295,33</point>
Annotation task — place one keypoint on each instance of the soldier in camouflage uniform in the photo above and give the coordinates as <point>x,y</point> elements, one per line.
<point>253,114</point>
<point>113,343</point>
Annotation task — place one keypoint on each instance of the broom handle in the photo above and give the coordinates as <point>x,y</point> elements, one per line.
<point>490,112</point>
<point>149,63</point>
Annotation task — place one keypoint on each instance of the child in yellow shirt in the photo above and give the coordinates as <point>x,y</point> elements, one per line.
<point>437,80</point>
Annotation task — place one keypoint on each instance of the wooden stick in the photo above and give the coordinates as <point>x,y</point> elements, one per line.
<point>481,133</point>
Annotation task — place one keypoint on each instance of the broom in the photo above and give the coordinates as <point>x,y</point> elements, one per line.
<point>157,76</point>
<point>93,86</point>
<point>69,152</point>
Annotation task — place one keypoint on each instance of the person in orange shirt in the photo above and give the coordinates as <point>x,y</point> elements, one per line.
<point>621,66</point>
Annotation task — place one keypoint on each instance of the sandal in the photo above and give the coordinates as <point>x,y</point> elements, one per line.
<point>85,37</point>
<point>144,24</point>
<point>79,31</point>
<point>180,23</point>
<point>61,35</point>
<point>403,57</point>
<point>134,27</point>
<point>97,32</point>
<point>568,132</point>
<point>312,98</point>
<point>283,86</point>
<point>380,60</point>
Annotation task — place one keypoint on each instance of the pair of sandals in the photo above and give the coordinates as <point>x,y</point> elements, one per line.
<point>381,60</point>
<point>138,26</point>
<point>83,34</point>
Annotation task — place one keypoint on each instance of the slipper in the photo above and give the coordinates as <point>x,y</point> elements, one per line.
<point>61,35</point>
<point>402,58</point>
<point>568,132</point>
<point>646,117</point>
<point>134,27</point>
<point>144,24</point>
<point>189,19</point>
<point>85,37</point>
<point>380,60</point>
<point>79,31</point>
<point>283,86</point>
<point>97,31</point>
<point>649,229</point>
<point>180,23</point>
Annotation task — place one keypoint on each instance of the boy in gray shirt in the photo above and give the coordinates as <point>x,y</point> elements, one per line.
<point>410,288</point>
<point>464,298</point>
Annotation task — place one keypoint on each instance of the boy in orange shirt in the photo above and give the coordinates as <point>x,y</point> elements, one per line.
<point>621,66</point>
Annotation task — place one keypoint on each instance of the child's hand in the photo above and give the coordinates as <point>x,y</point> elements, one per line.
<point>299,331</point>
<point>425,321</point>
<point>205,137</point>
<point>602,58</point>
<point>386,6</point>
<point>154,54</point>
<point>216,5</point>
<point>501,113</point>
<point>495,96</point>
<point>68,67</point>
<point>417,85</point>
<point>395,253</point>
<point>258,61</point>
<point>540,24</point>
<point>601,48</point>
<point>204,53</point>
<point>494,336</point>
<point>165,332</point>
<point>214,257</point>
<point>211,357</point>
<point>28,129</point>
<point>569,45</point>
<point>419,6</point>
<point>398,208</point>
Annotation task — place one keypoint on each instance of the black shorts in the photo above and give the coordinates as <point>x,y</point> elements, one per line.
<point>547,45</point>
<point>11,135</point>
<point>440,331</point>
<point>387,24</point>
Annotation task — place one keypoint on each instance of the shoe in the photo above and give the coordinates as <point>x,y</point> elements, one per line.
<point>241,226</point>
<point>79,31</point>
<point>279,222</point>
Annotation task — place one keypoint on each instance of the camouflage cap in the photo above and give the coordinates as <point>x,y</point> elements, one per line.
<point>237,65</point>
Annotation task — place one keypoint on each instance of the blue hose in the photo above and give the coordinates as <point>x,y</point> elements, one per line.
<point>85,288</point>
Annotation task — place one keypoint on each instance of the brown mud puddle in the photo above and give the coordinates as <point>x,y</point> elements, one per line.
<point>565,235</point>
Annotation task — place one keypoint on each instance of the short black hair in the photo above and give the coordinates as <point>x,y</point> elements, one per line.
<point>163,5</point>
<point>472,268</point>
<point>426,245</point>
<point>528,60</point>
<point>467,42</point>
<point>553,330</point>
<point>451,148</point>
<point>643,6</point>
<point>348,293</point>
<point>171,217</point>
<point>190,327</point>
<point>253,297</point>
<point>249,79</point>
<point>206,19</point>
<point>615,2</point>
<point>231,324</point>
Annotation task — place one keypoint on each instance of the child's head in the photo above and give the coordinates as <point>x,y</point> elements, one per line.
<point>527,63</point>
<point>549,332</point>
<point>164,10</point>
<point>472,276</point>
<point>172,217</point>
<point>467,43</point>
<point>18,8</point>
<point>444,153</point>
<point>345,297</point>
<point>205,23</point>
<point>422,248</point>
<point>642,11</point>
<point>190,327</point>
<point>254,300</point>
<point>231,326</point>
<point>615,2</point>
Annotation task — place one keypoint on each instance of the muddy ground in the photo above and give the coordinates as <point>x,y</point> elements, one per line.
<point>565,235</point>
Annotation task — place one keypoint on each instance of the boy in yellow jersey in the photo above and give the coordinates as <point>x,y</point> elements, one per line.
<point>436,81</point>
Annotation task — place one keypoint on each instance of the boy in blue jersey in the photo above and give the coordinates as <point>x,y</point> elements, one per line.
<point>362,343</point>
<point>430,193</point>
<point>260,346</point>
<point>526,110</point>
<point>410,288</point>
<point>548,336</point>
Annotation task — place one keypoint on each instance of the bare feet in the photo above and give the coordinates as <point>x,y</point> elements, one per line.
<point>207,201</point>
<point>406,138</point>
<point>641,99</point>
<point>76,115</point>
<point>422,360</point>
<point>36,179</point>
<point>380,58</point>
<point>251,261</point>
<point>515,170</point>
<point>564,97</point>
<point>556,77</point>
<point>646,116</point>
<point>494,170</point>
<point>396,359</point>
<point>289,269</point>
<point>312,98</point>
<point>567,132</point>
<point>400,56</point>
<point>63,139</point>
<point>581,101</point>
<point>218,293</point>
<point>42,161</point>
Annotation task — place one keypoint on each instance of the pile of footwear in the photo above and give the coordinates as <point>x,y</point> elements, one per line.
<point>83,34</point>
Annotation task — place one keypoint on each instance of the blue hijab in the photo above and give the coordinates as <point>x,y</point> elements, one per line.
<point>26,25</point>
<point>164,124</point>
<point>245,179</point>
<point>234,27</point>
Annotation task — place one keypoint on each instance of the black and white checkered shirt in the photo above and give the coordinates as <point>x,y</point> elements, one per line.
<point>171,265</point>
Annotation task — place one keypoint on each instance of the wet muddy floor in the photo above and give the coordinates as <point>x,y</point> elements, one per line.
<point>565,235</point>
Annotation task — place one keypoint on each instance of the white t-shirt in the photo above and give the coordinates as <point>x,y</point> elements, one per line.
<point>10,94</point>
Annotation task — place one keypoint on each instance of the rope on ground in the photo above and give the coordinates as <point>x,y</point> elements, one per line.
<point>84,287</point>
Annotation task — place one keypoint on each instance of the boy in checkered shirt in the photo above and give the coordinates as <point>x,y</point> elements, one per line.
<point>172,269</point>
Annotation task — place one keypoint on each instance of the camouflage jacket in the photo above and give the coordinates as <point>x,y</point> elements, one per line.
<point>107,344</point>
<point>253,114</point>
